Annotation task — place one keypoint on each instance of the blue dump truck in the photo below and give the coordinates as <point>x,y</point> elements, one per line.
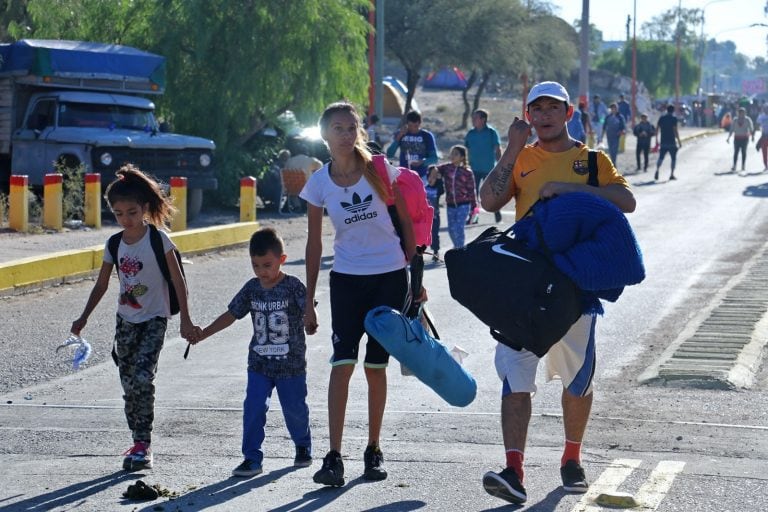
<point>73,103</point>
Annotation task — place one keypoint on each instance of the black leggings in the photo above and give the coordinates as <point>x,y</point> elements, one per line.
<point>740,145</point>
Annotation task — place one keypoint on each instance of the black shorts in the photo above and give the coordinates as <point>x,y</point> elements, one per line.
<point>352,297</point>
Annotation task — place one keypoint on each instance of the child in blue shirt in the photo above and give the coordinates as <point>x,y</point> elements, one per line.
<point>276,356</point>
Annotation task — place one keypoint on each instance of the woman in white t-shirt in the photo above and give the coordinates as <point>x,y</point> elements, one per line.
<point>369,270</point>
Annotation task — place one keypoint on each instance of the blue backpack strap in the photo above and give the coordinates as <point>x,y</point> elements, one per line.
<point>592,166</point>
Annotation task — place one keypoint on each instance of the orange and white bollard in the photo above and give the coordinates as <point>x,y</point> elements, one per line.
<point>18,203</point>
<point>179,196</point>
<point>247,199</point>
<point>53,201</point>
<point>92,201</point>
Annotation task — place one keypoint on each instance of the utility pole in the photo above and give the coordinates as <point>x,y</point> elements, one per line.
<point>634,63</point>
<point>584,54</point>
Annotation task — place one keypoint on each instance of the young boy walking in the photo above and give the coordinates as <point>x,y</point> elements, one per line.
<point>276,356</point>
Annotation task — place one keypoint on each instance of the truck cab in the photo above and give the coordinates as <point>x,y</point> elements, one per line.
<point>74,103</point>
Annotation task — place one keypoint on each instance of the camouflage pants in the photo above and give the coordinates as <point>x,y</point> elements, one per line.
<point>138,349</point>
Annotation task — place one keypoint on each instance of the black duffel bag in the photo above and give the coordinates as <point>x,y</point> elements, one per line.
<point>518,292</point>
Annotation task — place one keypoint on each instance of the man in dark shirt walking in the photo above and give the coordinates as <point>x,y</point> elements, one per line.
<point>670,140</point>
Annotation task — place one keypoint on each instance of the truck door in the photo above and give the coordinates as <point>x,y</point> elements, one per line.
<point>31,154</point>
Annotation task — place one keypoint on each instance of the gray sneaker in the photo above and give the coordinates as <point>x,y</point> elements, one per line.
<point>247,469</point>
<point>573,477</point>
<point>505,485</point>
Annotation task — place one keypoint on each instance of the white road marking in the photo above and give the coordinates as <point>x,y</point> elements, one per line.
<point>651,493</point>
<point>608,481</point>
<point>656,487</point>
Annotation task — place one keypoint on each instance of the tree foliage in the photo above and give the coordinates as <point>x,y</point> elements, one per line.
<point>672,23</point>
<point>655,67</point>
<point>485,37</point>
<point>233,66</point>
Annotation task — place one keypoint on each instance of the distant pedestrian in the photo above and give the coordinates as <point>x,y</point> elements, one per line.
<point>372,129</point>
<point>625,109</point>
<point>460,195</point>
<point>741,130</point>
<point>643,130</point>
<point>762,143</point>
<point>417,146</point>
<point>599,113</point>
<point>484,147</point>
<point>576,127</point>
<point>144,307</point>
<point>666,129</point>
<point>585,121</point>
<point>276,302</point>
<point>613,128</point>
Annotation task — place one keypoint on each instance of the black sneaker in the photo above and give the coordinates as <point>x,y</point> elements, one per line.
<point>656,175</point>
<point>497,217</point>
<point>247,469</point>
<point>505,485</point>
<point>573,477</point>
<point>373,464</point>
<point>332,472</point>
<point>303,457</point>
<point>672,177</point>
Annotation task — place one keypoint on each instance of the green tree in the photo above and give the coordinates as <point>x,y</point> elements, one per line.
<point>655,67</point>
<point>417,32</point>
<point>673,22</point>
<point>233,66</point>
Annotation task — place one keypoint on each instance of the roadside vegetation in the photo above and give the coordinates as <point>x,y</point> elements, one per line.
<point>234,68</point>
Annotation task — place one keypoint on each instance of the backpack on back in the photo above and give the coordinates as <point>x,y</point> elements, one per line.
<point>157,247</point>
<point>412,189</point>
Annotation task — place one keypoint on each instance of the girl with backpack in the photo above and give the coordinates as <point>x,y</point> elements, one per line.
<point>460,199</point>
<point>144,304</point>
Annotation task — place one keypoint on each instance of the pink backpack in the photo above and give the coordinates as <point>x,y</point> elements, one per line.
<point>412,189</point>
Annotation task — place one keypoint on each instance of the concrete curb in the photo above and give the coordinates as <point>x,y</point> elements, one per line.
<point>65,266</point>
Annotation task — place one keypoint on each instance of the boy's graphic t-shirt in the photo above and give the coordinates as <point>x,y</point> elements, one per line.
<point>278,347</point>
<point>143,289</point>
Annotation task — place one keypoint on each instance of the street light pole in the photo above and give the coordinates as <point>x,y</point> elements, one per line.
<point>584,54</point>
<point>634,63</point>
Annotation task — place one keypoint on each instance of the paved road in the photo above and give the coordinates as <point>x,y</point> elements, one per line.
<point>674,448</point>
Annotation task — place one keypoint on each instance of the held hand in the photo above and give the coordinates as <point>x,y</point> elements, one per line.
<point>310,320</point>
<point>196,336</point>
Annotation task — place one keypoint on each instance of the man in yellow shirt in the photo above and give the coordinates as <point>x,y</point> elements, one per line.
<point>556,164</point>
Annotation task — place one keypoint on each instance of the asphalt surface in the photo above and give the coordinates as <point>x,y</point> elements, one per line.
<point>61,431</point>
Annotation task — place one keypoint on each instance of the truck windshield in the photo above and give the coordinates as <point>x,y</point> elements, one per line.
<point>90,115</point>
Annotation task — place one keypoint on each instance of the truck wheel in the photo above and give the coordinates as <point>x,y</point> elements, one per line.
<point>194,202</point>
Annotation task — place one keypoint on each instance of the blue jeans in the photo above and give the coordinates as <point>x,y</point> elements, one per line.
<point>293,399</point>
<point>457,219</point>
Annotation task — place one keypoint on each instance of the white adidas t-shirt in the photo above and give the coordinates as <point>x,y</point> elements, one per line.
<point>366,242</point>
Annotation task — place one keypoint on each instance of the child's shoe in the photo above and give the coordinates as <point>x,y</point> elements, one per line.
<point>138,457</point>
<point>247,469</point>
<point>303,457</point>
<point>332,472</point>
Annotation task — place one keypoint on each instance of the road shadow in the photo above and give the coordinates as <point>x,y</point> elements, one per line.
<point>648,183</point>
<point>756,190</point>
<point>217,493</point>
<point>74,495</point>
<point>547,504</point>
<point>398,506</point>
<point>319,498</point>
<point>725,173</point>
